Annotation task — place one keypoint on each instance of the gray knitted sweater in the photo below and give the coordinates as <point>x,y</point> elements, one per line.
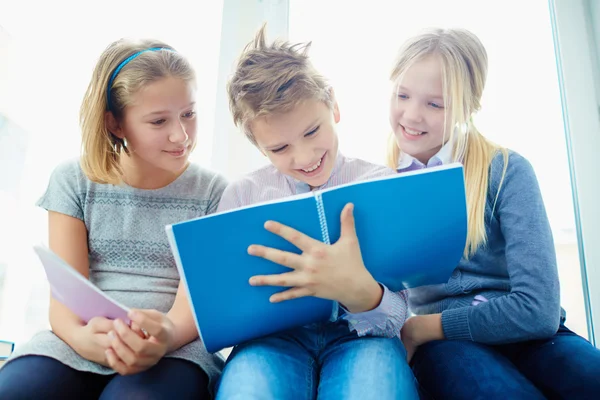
<point>129,256</point>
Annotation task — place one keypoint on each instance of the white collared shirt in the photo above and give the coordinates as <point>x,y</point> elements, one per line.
<point>407,162</point>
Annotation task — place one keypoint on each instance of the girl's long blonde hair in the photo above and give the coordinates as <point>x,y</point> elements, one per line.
<point>464,70</point>
<point>101,150</point>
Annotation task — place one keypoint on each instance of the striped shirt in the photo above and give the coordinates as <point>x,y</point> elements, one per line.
<point>268,183</point>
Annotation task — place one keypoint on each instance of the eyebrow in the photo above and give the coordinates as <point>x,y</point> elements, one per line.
<point>310,127</point>
<point>430,96</point>
<point>166,111</point>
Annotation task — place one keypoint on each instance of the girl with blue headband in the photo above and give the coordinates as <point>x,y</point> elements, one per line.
<point>107,213</point>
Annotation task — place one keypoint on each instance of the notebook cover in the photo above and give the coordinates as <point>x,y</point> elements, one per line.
<point>76,292</point>
<point>412,227</point>
<point>211,254</point>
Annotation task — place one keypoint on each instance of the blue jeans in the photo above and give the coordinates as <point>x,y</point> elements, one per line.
<point>37,377</point>
<point>324,361</point>
<point>565,366</point>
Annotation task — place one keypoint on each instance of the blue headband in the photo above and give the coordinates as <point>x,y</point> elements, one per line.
<point>120,67</point>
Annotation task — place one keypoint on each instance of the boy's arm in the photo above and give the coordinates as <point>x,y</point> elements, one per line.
<point>385,320</point>
<point>389,316</point>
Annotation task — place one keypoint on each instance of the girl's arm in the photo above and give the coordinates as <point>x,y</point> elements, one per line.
<point>154,334</point>
<point>532,308</point>
<point>184,327</point>
<point>68,239</point>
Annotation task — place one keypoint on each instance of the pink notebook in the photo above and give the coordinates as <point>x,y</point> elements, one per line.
<point>76,292</point>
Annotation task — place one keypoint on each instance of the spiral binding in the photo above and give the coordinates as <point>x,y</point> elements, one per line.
<point>325,235</point>
<point>322,218</point>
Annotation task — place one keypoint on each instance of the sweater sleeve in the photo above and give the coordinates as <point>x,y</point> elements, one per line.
<point>532,308</point>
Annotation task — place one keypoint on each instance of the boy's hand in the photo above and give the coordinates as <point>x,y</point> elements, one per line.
<point>139,347</point>
<point>334,272</point>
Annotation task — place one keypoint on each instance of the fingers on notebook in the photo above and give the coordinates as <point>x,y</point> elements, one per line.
<point>347,220</point>
<point>288,279</point>
<point>298,239</point>
<point>285,258</point>
<point>291,294</point>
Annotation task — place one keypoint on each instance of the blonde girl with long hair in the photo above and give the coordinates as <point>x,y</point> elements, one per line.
<point>495,329</point>
<point>107,213</point>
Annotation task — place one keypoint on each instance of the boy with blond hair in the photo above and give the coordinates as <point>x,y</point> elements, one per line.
<point>289,112</point>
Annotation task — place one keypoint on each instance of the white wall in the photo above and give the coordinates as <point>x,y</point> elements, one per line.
<point>232,153</point>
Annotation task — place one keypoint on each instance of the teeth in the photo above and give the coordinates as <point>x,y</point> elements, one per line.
<point>311,169</point>
<point>411,132</point>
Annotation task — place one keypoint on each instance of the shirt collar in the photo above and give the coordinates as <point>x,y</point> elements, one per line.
<point>442,157</point>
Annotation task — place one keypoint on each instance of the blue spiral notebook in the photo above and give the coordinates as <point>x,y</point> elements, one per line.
<point>411,227</point>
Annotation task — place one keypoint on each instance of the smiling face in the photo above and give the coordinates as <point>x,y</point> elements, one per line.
<point>301,143</point>
<point>417,110</point>
<point>160,126</point>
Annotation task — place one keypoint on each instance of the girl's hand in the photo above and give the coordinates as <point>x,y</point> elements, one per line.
<point>92,341</point>
<point>334,272</point>
<point>139,347</point>
<point>419,330</point>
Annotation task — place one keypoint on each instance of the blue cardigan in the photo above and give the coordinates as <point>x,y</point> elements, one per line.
<point>515,270</point>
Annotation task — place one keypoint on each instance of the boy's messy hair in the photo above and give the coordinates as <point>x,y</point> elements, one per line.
<point>273,78</point>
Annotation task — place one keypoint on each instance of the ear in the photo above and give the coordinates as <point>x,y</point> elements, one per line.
<point>335,108</point>
<point>113,125</point>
